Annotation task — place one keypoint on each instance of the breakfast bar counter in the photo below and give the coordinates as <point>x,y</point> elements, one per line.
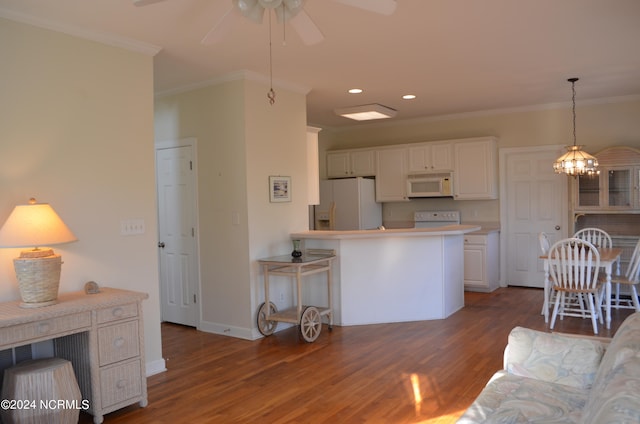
<point>395,275</point>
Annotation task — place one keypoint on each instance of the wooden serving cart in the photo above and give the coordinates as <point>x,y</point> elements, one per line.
<point>308,318</point>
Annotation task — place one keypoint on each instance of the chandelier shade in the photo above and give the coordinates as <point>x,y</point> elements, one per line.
<point>576,161</point>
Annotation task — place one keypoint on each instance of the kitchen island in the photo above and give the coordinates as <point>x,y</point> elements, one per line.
<point>396,275</point>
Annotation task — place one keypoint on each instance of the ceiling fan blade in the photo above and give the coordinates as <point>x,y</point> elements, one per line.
<point>219,30</point>
<point>306,28</point>
<point>384,7</point>
<point>145,2</point>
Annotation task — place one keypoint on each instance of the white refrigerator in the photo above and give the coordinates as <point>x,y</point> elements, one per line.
<point>348,204</point>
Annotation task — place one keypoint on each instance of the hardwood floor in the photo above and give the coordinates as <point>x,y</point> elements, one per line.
<point>416,372</point>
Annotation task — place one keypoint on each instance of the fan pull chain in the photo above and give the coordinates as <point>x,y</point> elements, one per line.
<point>271,95</point>
<point>284,26</point>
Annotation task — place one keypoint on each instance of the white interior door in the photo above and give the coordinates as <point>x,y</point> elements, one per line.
<point>534,200</point>
<point>179,277</point>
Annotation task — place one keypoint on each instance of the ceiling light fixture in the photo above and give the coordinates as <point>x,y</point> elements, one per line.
<point>355,91</point>
<point>366,112</point>
<point>576,161</point>
<point>409,96</point>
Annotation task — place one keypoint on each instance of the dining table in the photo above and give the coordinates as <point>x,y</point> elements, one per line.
<point>608,256</point>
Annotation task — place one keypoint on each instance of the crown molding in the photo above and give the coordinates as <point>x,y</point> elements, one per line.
<point>236,76</point>
<point>483,113</point>
<point>109,39</point>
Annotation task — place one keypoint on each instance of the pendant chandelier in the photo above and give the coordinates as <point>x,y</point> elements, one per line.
<point>576,161</point>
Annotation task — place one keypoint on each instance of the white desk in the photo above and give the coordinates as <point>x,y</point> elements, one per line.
<point>607,259</point>
<point>101,334</point>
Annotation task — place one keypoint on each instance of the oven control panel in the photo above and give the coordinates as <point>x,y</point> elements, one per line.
<point>437,216</point>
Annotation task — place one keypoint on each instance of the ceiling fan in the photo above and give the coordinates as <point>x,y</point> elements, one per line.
<point>291,11</point>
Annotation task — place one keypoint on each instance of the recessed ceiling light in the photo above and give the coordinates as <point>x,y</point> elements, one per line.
<point>409,96</point>
<point>355,91</point>
<point>366,112</point>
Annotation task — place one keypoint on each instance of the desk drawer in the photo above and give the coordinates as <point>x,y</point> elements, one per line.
<point>117,312</point>
<point>120,383</point>
<point>48,328</point>
<point>118,342</point>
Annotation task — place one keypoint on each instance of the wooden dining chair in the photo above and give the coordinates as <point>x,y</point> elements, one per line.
<point>631,279</point>
<point>596,236</point>
<point>600,239</point>
<point>573,269</point>
<point>543,240</point>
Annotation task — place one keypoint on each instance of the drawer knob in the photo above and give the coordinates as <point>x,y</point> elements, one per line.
<point>43,327</point>
<point>117,312</point>
<point>119,342</point>
<point>121,384</point>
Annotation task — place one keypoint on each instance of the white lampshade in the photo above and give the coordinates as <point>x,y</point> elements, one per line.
<point>34,225</point>
<point>38,270</point>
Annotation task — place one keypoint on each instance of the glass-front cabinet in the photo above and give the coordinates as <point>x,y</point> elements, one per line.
<point>612,189</point>
<point>619,188</point>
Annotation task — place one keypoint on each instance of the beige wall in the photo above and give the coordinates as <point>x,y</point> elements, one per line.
<point>76,131</point>
<point>242,140</point>
<point>599,125</point>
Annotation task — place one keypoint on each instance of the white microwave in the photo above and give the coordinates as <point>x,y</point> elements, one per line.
<point>429,185</point>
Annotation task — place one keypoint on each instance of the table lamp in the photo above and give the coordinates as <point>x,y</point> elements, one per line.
<point>38,269</point>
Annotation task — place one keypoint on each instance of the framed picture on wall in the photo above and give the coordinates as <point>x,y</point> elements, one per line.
<point>279,189</point>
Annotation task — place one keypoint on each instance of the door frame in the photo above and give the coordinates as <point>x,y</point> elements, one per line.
<point>503,154</point>
<point>169,144</point>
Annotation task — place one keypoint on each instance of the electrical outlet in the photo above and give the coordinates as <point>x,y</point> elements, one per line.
<point>281,297</point>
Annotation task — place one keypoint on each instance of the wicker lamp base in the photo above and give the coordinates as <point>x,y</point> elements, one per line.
<point>38,278</point>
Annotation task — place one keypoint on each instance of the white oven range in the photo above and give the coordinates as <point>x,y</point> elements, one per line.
<point>431,219</point>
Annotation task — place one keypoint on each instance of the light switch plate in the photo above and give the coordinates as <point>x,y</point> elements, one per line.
<point>132,227</point>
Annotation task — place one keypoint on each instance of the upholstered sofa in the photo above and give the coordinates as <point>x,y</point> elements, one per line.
<point>556,378</point>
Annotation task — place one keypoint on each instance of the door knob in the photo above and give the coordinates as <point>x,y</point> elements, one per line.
<point>557,228</point>
<point>161,245</point>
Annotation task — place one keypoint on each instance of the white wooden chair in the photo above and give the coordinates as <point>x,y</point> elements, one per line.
<point>543,239</point>
<point>573,269</point>
<point>631,278</point>
<point>600,239</point>
<point>544,243</point>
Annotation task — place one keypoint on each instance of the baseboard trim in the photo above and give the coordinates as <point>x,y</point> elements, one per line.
<point>238,332</point>
<point>155,367</point>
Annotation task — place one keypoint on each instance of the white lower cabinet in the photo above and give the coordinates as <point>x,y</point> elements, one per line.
<point>481,261</point>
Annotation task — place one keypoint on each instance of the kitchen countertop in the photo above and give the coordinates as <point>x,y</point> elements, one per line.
<point>485,227</point>
<point>393,232</point>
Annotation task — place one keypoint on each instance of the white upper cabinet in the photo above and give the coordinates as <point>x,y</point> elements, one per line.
<point>391,179</point>
<point>475,169</point>
<point>351,163</point>
<point>615,188</point>
<point>430,157</point>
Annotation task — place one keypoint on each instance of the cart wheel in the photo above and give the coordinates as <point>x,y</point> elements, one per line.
<point>266,327</point>
<point>310,324</point>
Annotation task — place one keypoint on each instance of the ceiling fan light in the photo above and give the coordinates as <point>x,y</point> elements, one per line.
<point>290,9</point>
<point>366,112</point>
<point>270,4</point>
<point>250,9</point>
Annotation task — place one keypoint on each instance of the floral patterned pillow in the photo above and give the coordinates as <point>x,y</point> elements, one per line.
<point>571,361</point>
